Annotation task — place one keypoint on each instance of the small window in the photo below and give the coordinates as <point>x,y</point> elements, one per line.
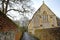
<point>41,25</point>
<point>52,25</point>
<point>51,17</point>
<point>40,16</point>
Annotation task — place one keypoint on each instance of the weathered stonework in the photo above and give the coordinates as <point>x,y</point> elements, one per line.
<point>10,35</point>
<point>44,18</point>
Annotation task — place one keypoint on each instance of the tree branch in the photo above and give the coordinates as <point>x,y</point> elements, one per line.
<point>3,5</point>
<point>18,10</point>
<point>6,6</point>
<point>14,10</point>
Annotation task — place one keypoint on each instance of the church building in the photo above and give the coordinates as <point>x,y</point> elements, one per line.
<point>43,21</point>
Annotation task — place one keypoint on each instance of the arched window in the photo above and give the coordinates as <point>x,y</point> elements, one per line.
<point>45,17</point>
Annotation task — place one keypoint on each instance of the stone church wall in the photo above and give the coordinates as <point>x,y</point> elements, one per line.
<point>48,34</point>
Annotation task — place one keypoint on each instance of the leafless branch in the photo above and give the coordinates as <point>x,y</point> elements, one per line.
<point>14,10</point>
<point>18,10</point>
<point>3,5</point>
<point>6,6</point>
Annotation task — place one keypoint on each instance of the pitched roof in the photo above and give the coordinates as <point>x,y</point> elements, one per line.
<point>39,10</point>
<point>6,23</point>
<point>44,5</point>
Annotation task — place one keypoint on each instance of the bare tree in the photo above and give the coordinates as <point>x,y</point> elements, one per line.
<point>25,8</point>
<point>24,4</point>
<point>5,4</point>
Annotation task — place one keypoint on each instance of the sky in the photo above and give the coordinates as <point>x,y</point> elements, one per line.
<point>54,5</point>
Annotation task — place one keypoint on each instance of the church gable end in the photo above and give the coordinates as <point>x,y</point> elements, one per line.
<point>43,18</point>
<point>44,24</point>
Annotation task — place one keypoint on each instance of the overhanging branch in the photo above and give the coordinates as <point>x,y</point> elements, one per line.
<point>18,10</point>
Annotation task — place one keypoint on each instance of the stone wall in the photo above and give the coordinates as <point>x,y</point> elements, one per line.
<point>48,34</point>
<point>10,35</point>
